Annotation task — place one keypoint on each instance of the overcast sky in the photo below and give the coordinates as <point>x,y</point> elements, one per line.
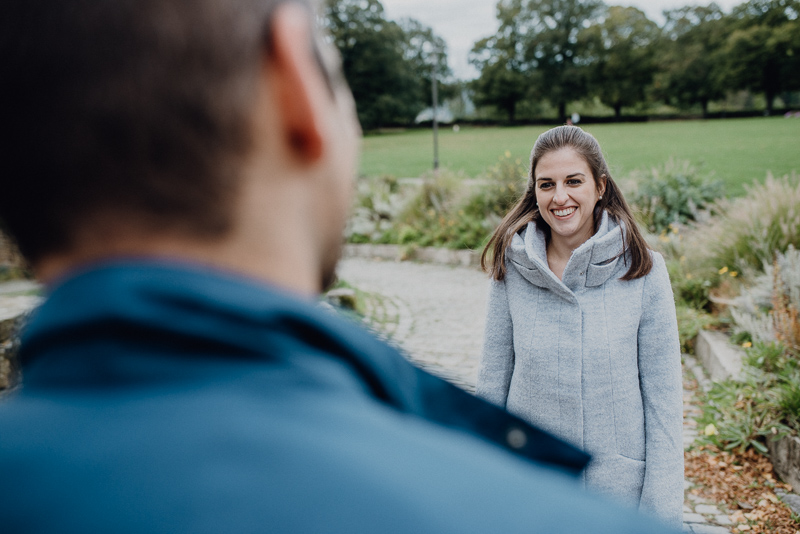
<point>462,22</point>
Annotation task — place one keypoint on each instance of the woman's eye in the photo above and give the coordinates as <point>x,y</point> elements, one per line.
<point>545,185</point>
<point>574,181</point>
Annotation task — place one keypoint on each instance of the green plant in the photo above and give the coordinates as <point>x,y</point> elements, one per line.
<point>789,402</point>
<point>741,415</point>
<point>764,404</point>
<point>747,232</point>
<point>377,201</point>
<point>769,309</point>
<point>673,193</point>
<point>690,322</point>
<point>769,357</point>
<point>444,210</point>
<point>741,338</point>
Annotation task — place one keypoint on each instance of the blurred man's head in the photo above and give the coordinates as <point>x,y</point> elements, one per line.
<point>189,127</point>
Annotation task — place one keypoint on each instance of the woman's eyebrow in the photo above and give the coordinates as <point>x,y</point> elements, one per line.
<point>573,175</point>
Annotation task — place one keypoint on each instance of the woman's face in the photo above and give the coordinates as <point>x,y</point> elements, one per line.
<point>567,193</point>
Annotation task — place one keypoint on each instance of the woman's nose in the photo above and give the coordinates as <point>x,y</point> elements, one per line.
<point>561,195</point>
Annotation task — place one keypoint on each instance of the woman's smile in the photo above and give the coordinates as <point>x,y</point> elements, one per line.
<point>565,212</point>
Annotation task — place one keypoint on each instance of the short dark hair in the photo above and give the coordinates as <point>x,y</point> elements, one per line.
<point>527,210</point>
<point>136,108</point>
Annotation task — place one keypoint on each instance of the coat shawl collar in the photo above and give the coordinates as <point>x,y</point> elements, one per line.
<point>590,265</point>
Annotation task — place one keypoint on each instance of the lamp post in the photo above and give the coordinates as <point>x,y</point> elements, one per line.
<point>435,95</point>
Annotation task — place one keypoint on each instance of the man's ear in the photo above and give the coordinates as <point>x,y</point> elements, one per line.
<point>299,86</point>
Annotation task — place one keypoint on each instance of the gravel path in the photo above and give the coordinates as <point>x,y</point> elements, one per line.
<point>436,313</point>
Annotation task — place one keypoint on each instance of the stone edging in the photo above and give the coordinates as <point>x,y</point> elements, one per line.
<point>440,256</point>
<point>721,360</point>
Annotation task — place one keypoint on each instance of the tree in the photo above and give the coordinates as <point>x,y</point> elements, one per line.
<point>384,63</point>
<point>536,50</point>
<point>763,50</point>
<point>504,80</point>
<point>621,51</point>
<point>426,53</point>
<point>553,46</point>
<point>689,56</point>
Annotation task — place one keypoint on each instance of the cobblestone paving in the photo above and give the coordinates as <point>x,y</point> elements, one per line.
<point>436,314</point>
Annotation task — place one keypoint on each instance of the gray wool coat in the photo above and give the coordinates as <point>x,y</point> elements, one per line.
<point>595,360</point>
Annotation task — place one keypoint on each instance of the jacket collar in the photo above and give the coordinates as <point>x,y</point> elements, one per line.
<point>590,265</point>
<point>146,308</point>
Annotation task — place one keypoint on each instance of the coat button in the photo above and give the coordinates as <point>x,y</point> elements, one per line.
<point>516,438</point>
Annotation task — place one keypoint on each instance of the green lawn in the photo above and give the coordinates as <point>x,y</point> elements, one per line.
<point>739,151</point>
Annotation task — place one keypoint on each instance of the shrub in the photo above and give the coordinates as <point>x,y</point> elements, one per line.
<point>767,401</point>
<point>769,357</point>
<point>377,201</point>
<point>742,414</point>
<point>768,309</point>
<point>674,193</point>
<point>690,322</point>
<point>746,232</point>
<point>445,210</point>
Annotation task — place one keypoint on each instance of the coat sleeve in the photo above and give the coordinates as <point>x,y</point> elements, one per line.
<point>662,394</point>
<point>497,360</point>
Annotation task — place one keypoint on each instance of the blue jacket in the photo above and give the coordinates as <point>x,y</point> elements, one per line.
<point>165,397</point>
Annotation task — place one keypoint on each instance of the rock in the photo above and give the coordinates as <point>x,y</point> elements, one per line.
<point>720,358</point>
<point>342,297</point>
<point>709,529</point>
<point>693,518</point>
<point>723,520</point>
<point>706,509</point>
<point>785,456</point>
<point>793,501</point>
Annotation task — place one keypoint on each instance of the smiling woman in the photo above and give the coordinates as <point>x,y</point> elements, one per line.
<point>581,335</point>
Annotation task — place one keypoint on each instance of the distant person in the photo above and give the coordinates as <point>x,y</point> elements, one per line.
<point>581,334</point>
<point>179,173</point>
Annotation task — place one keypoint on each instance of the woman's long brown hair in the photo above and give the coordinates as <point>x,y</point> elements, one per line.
<point>526,210</point>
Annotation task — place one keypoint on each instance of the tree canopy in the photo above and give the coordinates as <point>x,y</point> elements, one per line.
<point>621,57</point>
<point>387,64</point>
<point>557,52</point>
<point>570,50</point>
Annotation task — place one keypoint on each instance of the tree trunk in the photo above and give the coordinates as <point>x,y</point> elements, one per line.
<point>617,111</point>
<point>704,105</point>
<point>562,111</point>
<point>770,95</point>
<point>511,109</point>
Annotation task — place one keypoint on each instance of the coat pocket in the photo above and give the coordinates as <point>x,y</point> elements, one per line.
<point>629,422</point>
<point>616,476</point>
